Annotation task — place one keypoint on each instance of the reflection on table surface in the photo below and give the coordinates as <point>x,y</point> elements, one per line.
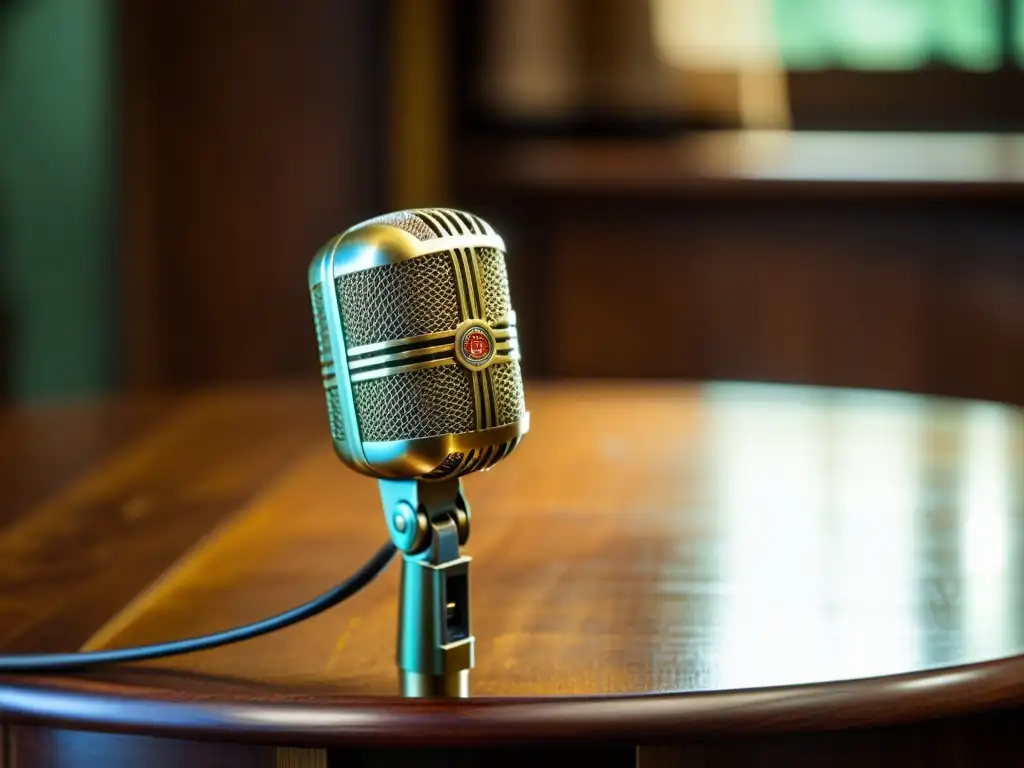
<point>863,534</point>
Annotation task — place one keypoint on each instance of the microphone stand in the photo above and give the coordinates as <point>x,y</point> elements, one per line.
<point>428,521</point>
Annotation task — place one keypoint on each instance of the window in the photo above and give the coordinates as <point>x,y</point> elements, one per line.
<point>896,35</point>
<point>945,65</point>
<point>862,64</point>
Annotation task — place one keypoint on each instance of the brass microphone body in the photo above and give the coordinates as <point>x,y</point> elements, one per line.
<point>418,345</point>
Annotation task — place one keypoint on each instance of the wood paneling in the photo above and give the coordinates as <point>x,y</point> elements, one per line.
<point>862,262</point>
<point>252,133</point>
<point>936,99</point>
<point>764,292</point>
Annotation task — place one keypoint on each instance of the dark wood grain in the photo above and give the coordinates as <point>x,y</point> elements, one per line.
<point>878,261</point>
<point>916,99</point>
<point>94,541</point>
<point>34,464</point>
<point>659,563</point>
<point>253,131</point>
<point>784,297</point>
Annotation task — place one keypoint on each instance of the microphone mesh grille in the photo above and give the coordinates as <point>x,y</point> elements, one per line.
<point>334,413</point>
<point>495,283</point>
<point>462,464</point>
<point>320,321</point>
<point>509,400</point>
<point>424,403</point>
<point>446,467</point>
<point>333,398</point>
<point>395,301</point>
<point>408,221</point>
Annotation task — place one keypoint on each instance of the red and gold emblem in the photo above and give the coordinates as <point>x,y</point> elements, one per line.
<point>474,345</point>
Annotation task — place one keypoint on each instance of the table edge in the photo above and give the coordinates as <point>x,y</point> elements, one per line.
<point>301,720</point>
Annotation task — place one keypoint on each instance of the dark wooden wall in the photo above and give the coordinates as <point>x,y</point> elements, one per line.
<point>632,262</point>
<point>252,132</point>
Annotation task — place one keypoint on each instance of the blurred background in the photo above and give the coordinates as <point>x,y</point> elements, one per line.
<point>815,191</point>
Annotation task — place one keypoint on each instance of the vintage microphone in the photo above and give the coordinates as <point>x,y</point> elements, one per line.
<point>420,361</point>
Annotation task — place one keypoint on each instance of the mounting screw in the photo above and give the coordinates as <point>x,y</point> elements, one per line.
<point>408,528</point>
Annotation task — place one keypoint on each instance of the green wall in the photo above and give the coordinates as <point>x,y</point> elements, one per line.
<point>57,195</point>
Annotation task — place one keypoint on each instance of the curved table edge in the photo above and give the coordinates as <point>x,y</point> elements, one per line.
<point>80,703</point>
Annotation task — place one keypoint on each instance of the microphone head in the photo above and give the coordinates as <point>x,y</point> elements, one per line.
<point>418,345</point>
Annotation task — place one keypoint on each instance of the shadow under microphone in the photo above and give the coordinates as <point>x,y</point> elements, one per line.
<point>420,360</point>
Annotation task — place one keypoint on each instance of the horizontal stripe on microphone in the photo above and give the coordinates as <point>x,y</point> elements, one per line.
<point>500,334</point>
<point>501,330</point>
<point>397,345</point>
<point>504,352</point>
<point>407,355</point>
<point>427,343</point>
<point>378,373</point>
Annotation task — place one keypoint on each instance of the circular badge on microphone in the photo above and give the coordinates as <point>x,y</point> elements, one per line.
<point>474,344</point>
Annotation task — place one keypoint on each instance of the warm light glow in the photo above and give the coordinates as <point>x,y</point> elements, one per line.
<point>883,35</point>
<point>876,500</point>
<point>985,502</point>
<point>820,501</point>
<point>722,35</point>
<point>769,486</point>
<point>731,38</point>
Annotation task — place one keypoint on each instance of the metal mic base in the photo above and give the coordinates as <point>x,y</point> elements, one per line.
<point>453,685</point>
<point>428,522</point>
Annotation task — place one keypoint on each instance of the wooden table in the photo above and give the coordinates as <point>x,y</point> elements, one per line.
<point>726,574</point>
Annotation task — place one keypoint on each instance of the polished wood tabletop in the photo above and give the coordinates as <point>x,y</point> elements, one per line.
<point>656,560</point>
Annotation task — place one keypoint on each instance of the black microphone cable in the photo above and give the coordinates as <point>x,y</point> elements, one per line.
<point>50,662</point>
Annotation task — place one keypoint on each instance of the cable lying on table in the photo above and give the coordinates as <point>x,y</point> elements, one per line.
<point>50,662</point>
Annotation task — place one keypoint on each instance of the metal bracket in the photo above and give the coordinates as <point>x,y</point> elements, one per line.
<point>428,521</point>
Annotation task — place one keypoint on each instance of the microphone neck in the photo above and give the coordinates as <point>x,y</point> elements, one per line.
<point>428,521</point>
